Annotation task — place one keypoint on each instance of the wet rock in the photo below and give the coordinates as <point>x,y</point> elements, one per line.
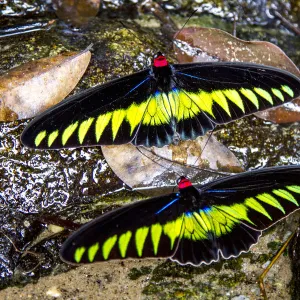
<point>26,8</point>
<point>31,88</point>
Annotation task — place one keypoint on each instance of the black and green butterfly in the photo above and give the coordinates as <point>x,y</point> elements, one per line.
<point>194,225</point>
<point>157,106</point>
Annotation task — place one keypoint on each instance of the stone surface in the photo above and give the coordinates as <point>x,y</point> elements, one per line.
<point>35,86</point>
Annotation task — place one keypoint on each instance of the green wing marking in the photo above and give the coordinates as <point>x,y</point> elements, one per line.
<point>229,92</point>
<point>137,109</point>
<point>230,217</point>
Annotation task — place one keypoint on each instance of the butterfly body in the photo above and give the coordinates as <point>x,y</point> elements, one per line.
<point>155,106</point>
<point>193,226</point>
<point>162,73</point>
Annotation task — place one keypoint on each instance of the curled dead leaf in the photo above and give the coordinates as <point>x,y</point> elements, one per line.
<point>31,88</point>
<point>143,167</point>
<point>209,44</point>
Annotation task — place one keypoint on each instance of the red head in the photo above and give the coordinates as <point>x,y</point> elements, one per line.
<point>183,182</point>
<point>159,60</point>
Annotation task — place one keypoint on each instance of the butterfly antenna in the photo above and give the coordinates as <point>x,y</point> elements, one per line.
<point>184,24</point>
<point>135,35</point>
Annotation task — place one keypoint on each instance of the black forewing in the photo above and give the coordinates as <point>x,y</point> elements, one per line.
<point>119,94</point>
<point>131,218</point>
<point>135,109</point>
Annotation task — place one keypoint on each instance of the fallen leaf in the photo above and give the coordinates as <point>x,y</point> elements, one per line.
<point>76,12</point>
<point>222,46</point>
<point>31,88</point>
<point>210,44</point>
<point>287,113</point>
<point>143,167</point>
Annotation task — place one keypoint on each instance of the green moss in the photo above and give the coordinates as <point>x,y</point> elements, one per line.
<point>169,269</point>
<point>233,264</point>
<point>183,294</point>
<point>172,269</point>
<point>231,280</point>
<point>274,246</point>
<point>170,280</point>
<point>151,289</point>
<point>170,290</point>
<point>137,273</point>
<point>261,259</point>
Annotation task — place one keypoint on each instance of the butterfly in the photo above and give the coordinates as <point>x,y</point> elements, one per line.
<point>194,225</point>
<point>156,106</point>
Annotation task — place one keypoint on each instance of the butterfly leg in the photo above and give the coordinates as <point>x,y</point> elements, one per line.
<point>265,272</point>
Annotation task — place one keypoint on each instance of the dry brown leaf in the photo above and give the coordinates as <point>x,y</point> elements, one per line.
<point>31,88</point>
<point>161,166</point>
<point>77,12</point>
<point>288,113</point>
<point>222,46</point>
<point>216,45</point>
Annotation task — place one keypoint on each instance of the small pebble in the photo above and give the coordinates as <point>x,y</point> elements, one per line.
<point>240,297</point>
<point>266,264</point>
<point>54,292</point>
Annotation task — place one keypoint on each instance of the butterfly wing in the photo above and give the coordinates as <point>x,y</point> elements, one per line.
<point>103,115</point>
<point>221,92</point>
<point>263,197</point>
<point>233,212</point>
<point>137,230</point>
<point>226,217</point>
<point>136,109</point>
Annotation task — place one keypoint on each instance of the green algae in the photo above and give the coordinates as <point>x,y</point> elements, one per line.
<point>234,264</point>
<point>172,269</point>
<point>171,290</point>
<point>261,258</point>
<point>231,280</point>
<point>136,273</point>
<point>257,143</point>
<point>274,245</point>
